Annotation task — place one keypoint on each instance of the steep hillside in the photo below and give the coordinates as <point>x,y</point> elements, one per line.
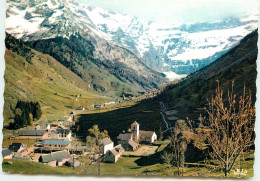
<point>58,28</point>
<point>186,97</point>
<point>31,75</point>
<point>239,64</point>
<point>110,72</point>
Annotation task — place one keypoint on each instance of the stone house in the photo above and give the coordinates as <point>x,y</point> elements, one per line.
<point>128,145</point>
<point>59,133</point>
<point>147,136</point>
<point>113,155</point>
<point>7,154</point>
<point>106,144</point>
<point>54,159</point>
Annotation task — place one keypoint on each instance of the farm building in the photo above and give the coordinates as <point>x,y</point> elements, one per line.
<point>106,144</point>
<point>78,149</point>
<point>31,134</point>
<point>147,136</point>
<point>54,159</point>
<point>55,144</point>
<point>113,155</point>
<point>7,154</point>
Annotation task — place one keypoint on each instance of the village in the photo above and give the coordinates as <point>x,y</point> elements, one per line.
<point>54,143</point>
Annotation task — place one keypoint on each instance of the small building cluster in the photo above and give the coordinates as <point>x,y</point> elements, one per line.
<point>52,145</point>
<point>131,139</point>
<point>110,153</point>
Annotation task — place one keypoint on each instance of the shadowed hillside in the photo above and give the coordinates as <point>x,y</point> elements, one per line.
<point>238,64</point>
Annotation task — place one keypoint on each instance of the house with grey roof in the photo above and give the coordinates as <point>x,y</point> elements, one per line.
<point>125,136</point>
<point>113,155</point>
<point>128,145</point>
<point>54,159</point>
<point>7,154</point>
<point>55,144</point>
<point>31,134</point>
<point>147,136</point>
<point>60,133</point>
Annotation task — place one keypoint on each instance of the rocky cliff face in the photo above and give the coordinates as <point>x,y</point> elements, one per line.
<point>62,29</point>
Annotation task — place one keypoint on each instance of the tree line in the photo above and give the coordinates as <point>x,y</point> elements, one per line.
<point>25,113</point>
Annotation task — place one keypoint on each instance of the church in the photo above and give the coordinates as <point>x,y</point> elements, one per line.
<point>131,139</point>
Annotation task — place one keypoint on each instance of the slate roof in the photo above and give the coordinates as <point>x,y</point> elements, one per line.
<point>132,143</point>
<point>15,147</point>
<point>125,136</point>
<point>6,152</point>
<point>59,156</point>
<point>146,134</point>
<point>56,142</point>
<point>31,132</point>
<point>119,148</point>
<point>114,152</point>
<point>106,141</point>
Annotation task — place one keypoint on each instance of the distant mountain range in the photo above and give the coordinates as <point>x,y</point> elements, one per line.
<point>189,96</point>
<point>57,29</point>
<point>128,48</point>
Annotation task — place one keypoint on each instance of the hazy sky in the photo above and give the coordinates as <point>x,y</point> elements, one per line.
<point>178,11</point>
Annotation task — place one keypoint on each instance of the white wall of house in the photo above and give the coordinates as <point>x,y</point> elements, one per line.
<point>153,138</point>
<point>53,163</point>
<point>107,147</point>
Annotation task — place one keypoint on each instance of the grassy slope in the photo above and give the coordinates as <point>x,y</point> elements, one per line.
<point>40,77</point>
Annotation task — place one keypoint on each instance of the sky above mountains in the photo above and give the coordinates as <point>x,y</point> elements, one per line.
<point>179,11</point>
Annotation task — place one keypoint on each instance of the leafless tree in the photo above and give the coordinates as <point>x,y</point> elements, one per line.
<point>231,126</point>
<point>95,143</point>
<point>167,157</point>
<point>179,140</point>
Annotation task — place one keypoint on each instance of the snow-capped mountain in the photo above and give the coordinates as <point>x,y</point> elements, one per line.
<point>62,29</point>
<point>181,48</point>
<point>168,48</point>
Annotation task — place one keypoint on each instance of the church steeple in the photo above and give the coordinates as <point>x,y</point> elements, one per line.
<point>135,130</point>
